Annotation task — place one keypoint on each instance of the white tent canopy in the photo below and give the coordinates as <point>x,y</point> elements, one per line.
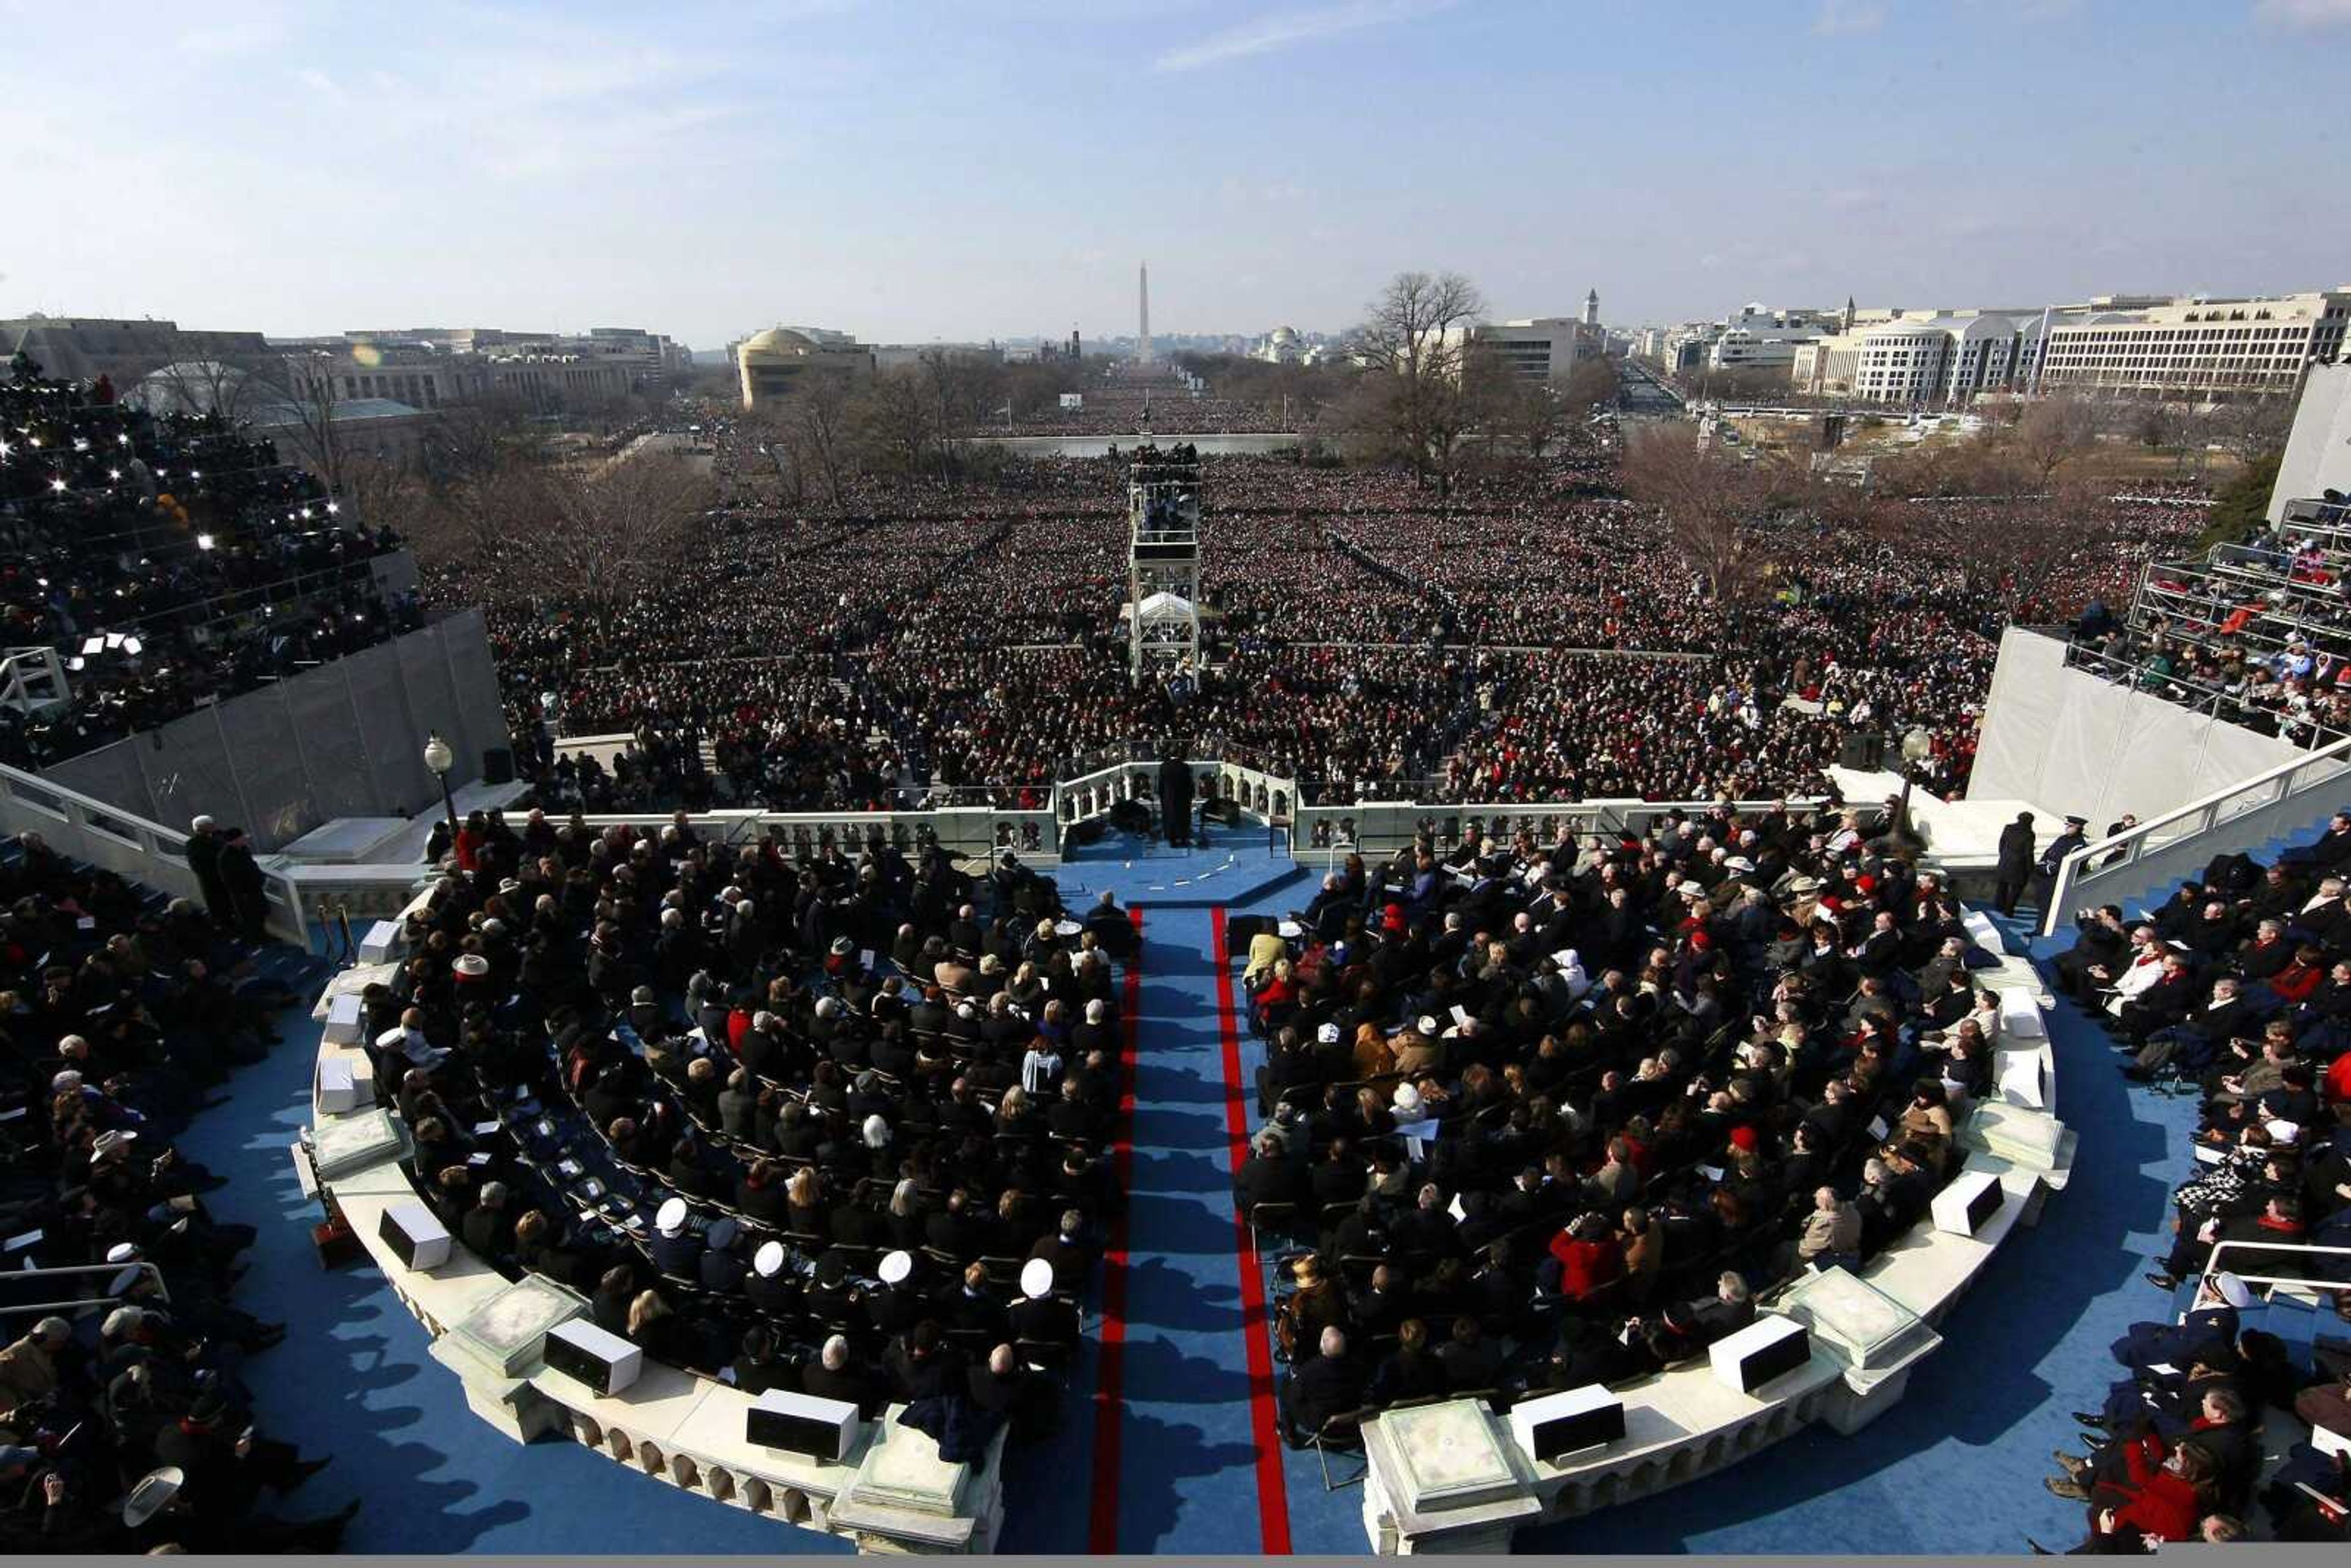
<point>1162,608</point>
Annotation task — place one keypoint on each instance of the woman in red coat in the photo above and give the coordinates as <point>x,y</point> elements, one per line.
<point>2161,1494</point>
<point>1589,1257</point>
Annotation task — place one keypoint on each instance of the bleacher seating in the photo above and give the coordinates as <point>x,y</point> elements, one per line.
<point>169,561</point>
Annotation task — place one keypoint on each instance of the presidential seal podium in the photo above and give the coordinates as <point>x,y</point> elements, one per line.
<point>1443,1478</point>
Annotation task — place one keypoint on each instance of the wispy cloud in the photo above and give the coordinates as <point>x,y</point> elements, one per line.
<point>2303,16</point>
<point>1286,30</point>
<point>1846,19</point>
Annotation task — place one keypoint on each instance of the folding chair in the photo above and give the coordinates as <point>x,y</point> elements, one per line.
<point>1343,1432</point>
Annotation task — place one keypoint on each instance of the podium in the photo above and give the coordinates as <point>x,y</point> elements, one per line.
<point>1874,1340</point>
<point>1443,1478</point>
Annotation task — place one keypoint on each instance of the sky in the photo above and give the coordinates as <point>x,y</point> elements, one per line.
<point>919,170</point>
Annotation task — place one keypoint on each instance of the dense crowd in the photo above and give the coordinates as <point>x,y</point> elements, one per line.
<point>2237,990</point>
<point>120,1014</point>
<point>1546,1114</point>
<point>1540,635</point>
<point>169,561</point>
<point>846,1115</point>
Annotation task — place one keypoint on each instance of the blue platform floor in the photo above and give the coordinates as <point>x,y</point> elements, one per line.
<point>1957,1467</point>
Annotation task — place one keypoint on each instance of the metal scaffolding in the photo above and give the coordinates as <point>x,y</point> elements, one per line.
<point>1163,500</point>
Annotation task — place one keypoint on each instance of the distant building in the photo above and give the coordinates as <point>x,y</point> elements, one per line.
<point>2194,345</point>
<point>300,420</point>
<point>83,348</point>
<point>1541,347</point>
<point>770,364</point>
<point>1928,358</point>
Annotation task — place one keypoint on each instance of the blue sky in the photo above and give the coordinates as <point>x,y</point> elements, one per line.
<point>908,170</point>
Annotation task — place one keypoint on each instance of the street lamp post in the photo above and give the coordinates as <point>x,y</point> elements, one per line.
<point>440,759</point>
<point>1916,747</point>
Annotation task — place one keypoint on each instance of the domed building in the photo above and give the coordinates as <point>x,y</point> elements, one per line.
<point>772,362</point>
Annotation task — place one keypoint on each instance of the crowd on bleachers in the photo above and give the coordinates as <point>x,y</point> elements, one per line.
<point>120,1013</point>
<point>916,645</point>
<point>837,1122</point>
<point>1542,1115</point>
<point>169,561</point>
<point>2256,632</point>
<point>2238,989</point>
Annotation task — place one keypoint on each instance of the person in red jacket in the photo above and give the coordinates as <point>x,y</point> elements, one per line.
<point>1589,1257</point>
<point>2154,1493</point>
<point>2336,1087</point>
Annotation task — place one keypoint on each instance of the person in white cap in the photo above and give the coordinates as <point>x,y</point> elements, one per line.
<point>770,1285</point>
<point>675,1249</point>
<point>1038,1315</point>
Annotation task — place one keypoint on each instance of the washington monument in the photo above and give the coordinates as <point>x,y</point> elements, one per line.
<point>1143,324</point>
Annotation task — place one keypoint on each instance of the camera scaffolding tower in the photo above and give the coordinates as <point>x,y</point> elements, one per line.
<point>1163,503</point>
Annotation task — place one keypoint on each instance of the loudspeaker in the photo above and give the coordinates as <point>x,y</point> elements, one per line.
<point>1862,750</point>
<point>414,1235</point>
<point>345,1018</point>
<point>802,1424</point>
<point>497,765</point>
<point>1968,1205</point>
<point>1565,1423</point>
<point>1763,1350</point>
<point>380,945</point>
<point>605,1362</point>
<point>339,1083</point>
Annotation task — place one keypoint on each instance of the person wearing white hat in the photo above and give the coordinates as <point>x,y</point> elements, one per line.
<point>675,1249</point>
<point>896,1266</point>
<point>1038,1316</point>
<point>156,1491</point>
<point>771,1286</point>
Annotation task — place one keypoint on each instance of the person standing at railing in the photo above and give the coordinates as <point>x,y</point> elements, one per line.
<point>2053,857</point>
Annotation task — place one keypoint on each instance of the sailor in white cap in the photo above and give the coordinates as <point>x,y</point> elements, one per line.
<point>1037,1315</point>
<point>771,1286</point>
<point>896,1267</point>
<point>676,1249</point>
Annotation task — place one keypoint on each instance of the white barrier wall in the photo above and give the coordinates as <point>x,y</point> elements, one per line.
<point>2069,741</point>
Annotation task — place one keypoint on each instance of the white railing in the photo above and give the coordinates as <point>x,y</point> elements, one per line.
<point>86,829</point>
<point>32,679</point>
<point>2339,1257</point>
<point>75,1306</point>
<point>2180,841</point>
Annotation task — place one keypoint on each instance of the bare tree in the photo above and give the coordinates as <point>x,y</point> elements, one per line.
<point>896,420</point>
<point>595,530</point>
<point>1714,503</point>
<point>1416,334</point>
<point>2054,434</point>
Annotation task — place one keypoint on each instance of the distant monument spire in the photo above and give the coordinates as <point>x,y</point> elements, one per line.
<point>1591,308</point>
<point>1143,325</point>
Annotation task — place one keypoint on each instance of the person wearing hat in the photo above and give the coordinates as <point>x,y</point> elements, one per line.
<point>676,1251</point>
<point>1038,1316</point>
<point>226,1466</point>
<point>771,1286</point>
<point>32,1368</point>
<point>722,1267</point>
<point>2074,837</point>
